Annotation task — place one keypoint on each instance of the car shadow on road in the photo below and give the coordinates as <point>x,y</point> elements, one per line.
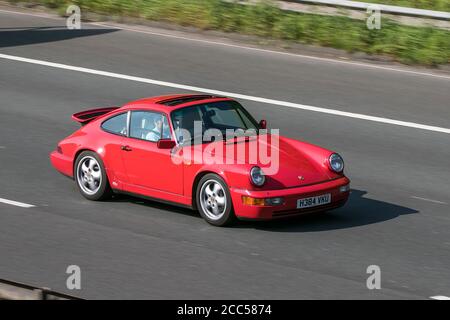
<point>10,37</point>
<point>153,204</point>
<point>358,211</point>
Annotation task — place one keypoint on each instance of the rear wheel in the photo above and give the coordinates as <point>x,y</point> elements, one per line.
<point>214,201</point>
<point>91,178</point>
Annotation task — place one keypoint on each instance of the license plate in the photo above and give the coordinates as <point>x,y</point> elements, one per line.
<point>314,201</point>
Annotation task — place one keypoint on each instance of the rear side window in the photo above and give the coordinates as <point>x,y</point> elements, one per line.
<point>116,125</point>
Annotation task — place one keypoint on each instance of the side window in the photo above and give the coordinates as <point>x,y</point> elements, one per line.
<point>116,124</point>
<point>184,119</point>
<point>150,126</point>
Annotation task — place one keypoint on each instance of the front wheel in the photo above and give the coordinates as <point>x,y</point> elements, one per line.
<point>214,201</point>
<point>91,178</point>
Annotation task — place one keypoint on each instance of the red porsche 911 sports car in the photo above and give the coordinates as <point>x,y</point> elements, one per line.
<point>203,152</point>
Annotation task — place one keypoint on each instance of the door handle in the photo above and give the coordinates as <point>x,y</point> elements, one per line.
<point>126,148</point>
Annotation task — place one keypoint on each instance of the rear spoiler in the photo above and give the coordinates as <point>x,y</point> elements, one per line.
<point>84,117</point>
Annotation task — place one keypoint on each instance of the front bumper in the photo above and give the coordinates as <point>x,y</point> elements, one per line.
<point>290,196</point>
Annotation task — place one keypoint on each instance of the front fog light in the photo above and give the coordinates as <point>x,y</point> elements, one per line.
<point>249,201</point>
<point>345,188</point>
<point>274,201</point>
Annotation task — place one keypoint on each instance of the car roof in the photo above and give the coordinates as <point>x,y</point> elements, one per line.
<point>168,103</point>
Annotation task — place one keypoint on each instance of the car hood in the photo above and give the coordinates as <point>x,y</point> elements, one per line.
<point>298,163</point>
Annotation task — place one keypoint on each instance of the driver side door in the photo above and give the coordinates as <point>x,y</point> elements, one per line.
<point>149,168</point>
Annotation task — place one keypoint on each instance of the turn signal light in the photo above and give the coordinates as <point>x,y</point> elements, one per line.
<point>249,201</point>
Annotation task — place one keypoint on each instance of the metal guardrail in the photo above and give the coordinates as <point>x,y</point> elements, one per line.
<point>10,290</point>
<point>441,15</point>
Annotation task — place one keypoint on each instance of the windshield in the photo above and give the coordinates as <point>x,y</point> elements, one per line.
<point>205,122</point>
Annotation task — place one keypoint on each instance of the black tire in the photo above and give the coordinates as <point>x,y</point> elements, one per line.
<point>228,217</point>
<point>102,189</point>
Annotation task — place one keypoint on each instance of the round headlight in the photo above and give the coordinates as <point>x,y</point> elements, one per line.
<point>336,163</point>
<point>257,176</point>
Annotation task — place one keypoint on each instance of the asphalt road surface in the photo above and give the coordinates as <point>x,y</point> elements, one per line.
<point>397,216</point>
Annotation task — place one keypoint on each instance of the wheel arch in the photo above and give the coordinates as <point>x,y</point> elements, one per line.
<point>197,179</point>
<point>77,154</point>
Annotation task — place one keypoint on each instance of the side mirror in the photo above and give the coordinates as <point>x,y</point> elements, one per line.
<point>166,144</point>
<point>263,124</point>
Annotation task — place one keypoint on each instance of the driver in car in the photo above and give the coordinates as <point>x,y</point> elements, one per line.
<point>158,126</point>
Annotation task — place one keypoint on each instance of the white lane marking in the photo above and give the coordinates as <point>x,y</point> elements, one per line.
<point>15,203</point>
<point>229,94</point>
<point>2,147</point>
<point>330,60</point>
<point>429,200</point>
<point>440,298</point>
<point>359,64</point>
